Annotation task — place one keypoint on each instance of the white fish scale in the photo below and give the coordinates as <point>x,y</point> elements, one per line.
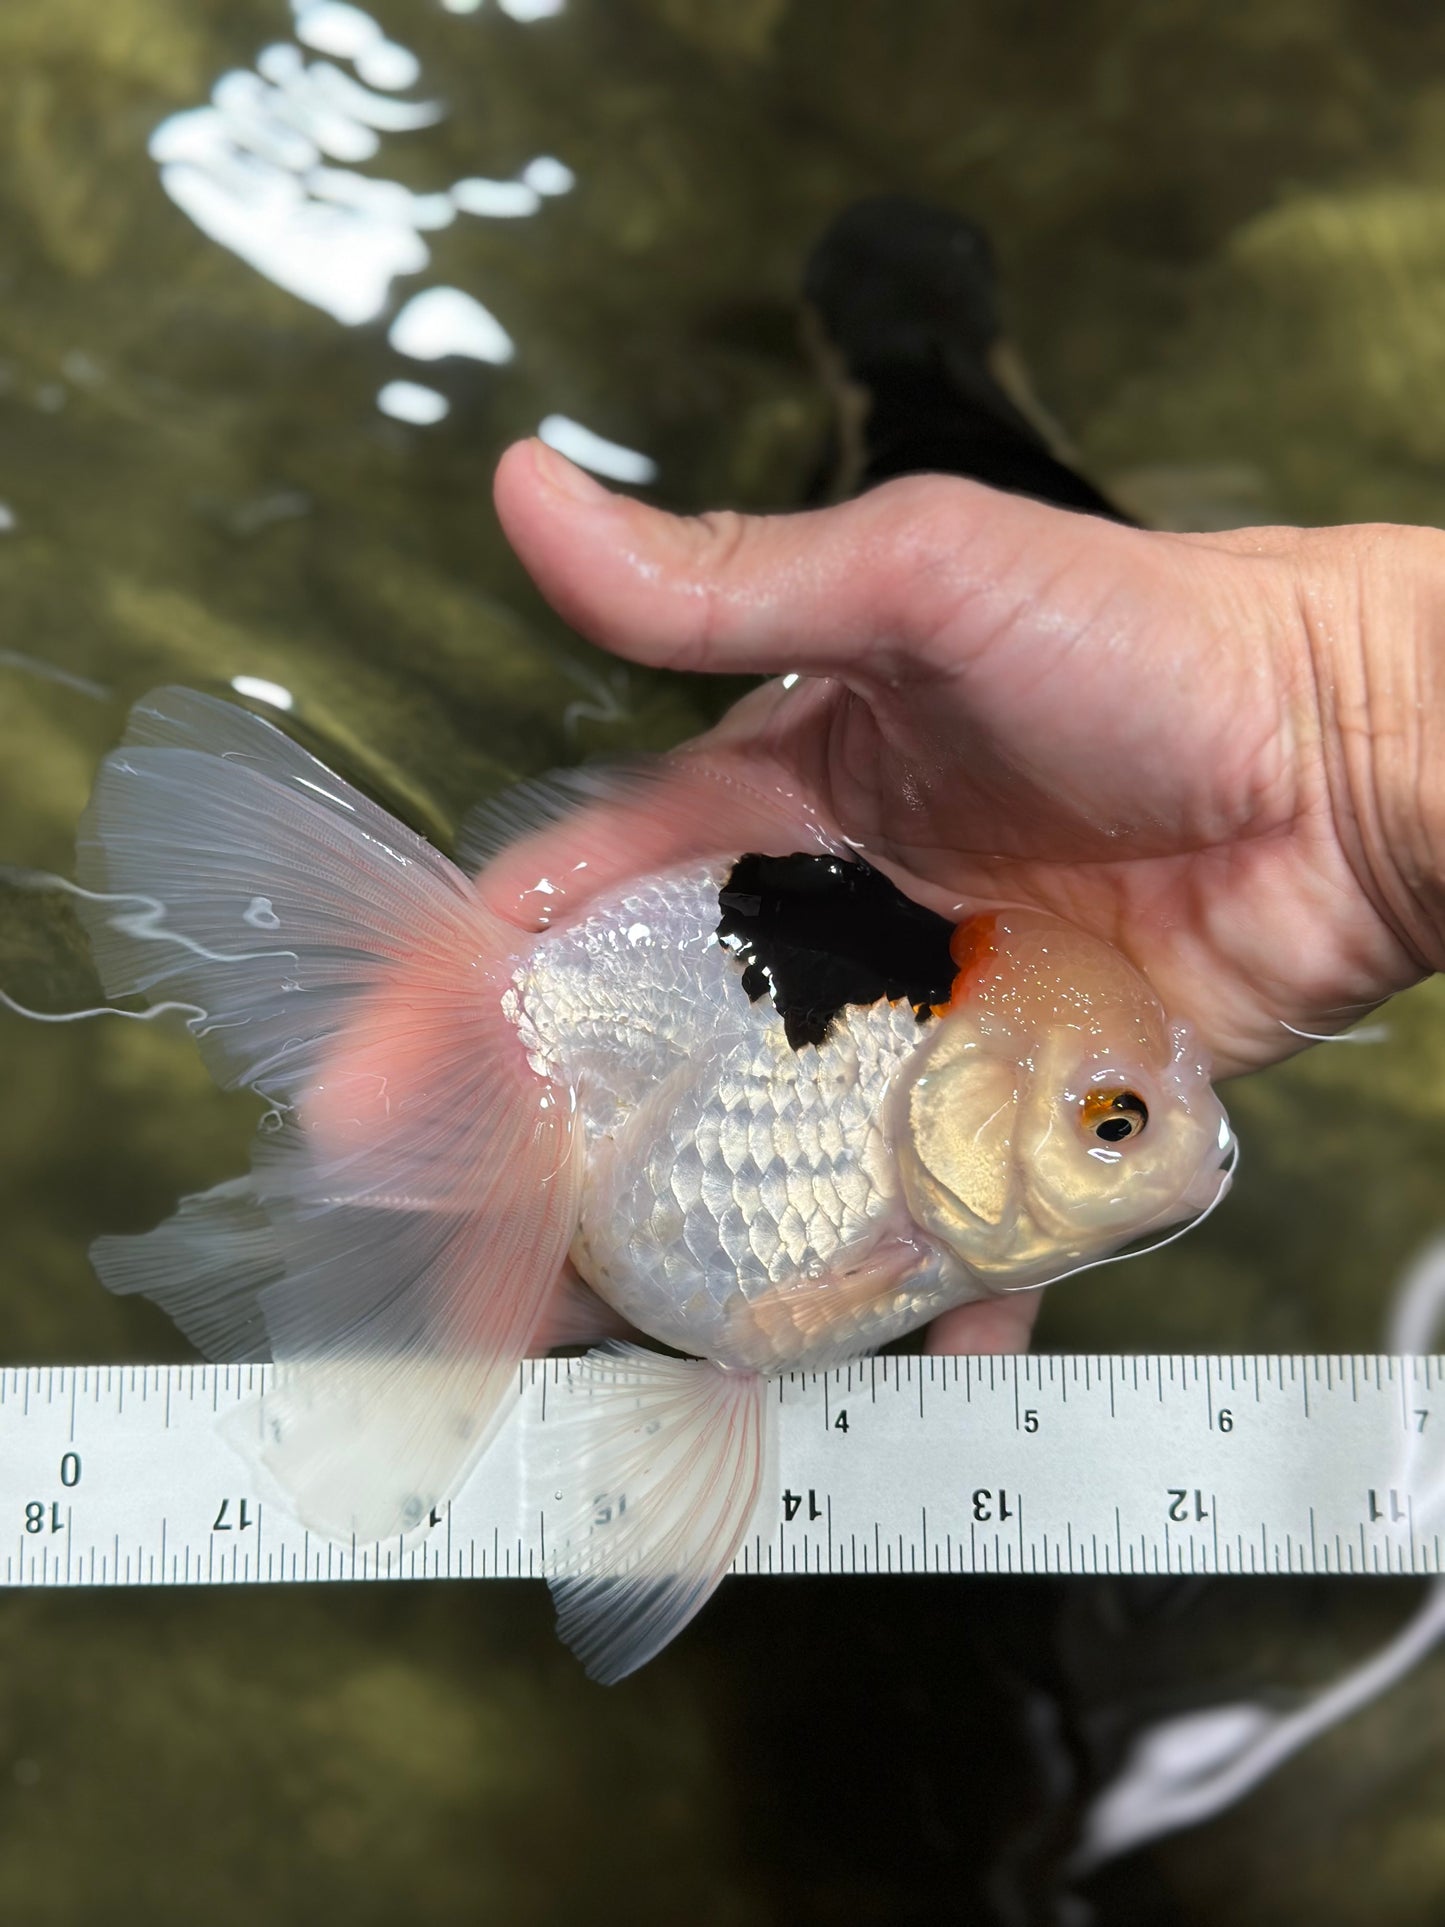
<point>722,1164</point>
<point>774,1192</point>
<point>685,1178</point>
<point>620,999</point>
<point>748,1227</point>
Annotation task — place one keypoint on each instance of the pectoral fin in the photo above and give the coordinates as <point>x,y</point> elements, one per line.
<point>817,1323</point>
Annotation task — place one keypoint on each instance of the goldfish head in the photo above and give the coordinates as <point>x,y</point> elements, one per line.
<point>1055,1114</point>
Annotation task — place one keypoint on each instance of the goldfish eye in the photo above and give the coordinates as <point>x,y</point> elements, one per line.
<point>1111,1116</point>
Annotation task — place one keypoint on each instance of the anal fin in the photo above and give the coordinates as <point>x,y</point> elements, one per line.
<point>652,1476</point>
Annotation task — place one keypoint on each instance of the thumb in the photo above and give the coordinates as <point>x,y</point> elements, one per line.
<point>864,588</point>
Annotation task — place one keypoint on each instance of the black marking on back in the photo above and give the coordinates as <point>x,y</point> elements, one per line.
<point>818,932</point>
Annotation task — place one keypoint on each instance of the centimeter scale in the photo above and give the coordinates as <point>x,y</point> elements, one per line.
<point>123,1475</point>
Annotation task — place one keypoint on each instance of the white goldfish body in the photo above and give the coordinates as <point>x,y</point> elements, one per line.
<point>459,1107</point>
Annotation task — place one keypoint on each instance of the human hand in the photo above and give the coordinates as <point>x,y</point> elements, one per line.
<point>1221,752</point>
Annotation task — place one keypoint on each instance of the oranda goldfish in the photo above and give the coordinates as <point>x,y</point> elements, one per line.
<point>771,1112</point>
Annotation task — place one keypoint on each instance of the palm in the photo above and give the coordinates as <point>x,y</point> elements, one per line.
<point>1052,758</point>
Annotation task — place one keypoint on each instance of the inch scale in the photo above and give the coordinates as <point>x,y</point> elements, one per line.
<point>120,1476</point>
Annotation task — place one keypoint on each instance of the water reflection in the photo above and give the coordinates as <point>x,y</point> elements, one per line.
<point>412,401</point>
<point>333,27</point>
<point>1188,1769</point>
<point>446,321</point>
<point>268,170</point>
<point>515,9</point>
<point>249,169</point>
<point>52,672</point>
<point>260,690</point>
<point>580,444</point>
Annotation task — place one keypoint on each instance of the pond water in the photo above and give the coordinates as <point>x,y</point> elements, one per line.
<point>235,444</point>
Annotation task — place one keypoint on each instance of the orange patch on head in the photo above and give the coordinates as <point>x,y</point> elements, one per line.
<point>970,946</point>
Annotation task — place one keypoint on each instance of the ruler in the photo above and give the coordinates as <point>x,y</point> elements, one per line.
<point>119,1475</point>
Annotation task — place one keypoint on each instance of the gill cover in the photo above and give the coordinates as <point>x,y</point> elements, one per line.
<point>999,1147</point>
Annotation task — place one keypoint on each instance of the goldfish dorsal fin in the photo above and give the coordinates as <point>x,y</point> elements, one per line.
<point>538,802</point>
<point>413,1189</point>
<point>660,1463</point>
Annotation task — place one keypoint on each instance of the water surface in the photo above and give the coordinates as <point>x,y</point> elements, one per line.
<point>1222,233</point>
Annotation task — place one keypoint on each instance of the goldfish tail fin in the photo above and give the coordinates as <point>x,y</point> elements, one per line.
<point>414,1186</point>
<point>662,1462</point>
<point>207,1268</point>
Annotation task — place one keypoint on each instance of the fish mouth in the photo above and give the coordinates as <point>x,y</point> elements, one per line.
<point>1215,1181</point>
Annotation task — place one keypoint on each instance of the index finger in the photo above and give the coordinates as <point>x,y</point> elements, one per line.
<point>1001,1324</point>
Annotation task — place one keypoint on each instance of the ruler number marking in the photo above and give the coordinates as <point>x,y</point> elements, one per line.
<point>1182,1511</point>
<point>45,1516</point>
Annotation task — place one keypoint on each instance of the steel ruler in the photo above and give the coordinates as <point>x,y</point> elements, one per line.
<point>120,1475</point>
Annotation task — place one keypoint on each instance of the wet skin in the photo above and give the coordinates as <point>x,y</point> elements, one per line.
<point>1214,751</point>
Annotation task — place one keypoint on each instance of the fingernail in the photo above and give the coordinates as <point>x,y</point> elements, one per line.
<point>566,478</point>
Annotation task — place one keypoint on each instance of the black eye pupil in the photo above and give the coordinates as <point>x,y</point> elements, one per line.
<point>1114,1115</point>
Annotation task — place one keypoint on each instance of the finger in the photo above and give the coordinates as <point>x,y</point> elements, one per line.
<point>854,589</point>
<point>1001,1324</point>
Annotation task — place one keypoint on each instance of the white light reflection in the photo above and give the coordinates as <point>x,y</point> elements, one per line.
<point>548,175</point>
<point>445,321</point>
<point>503,200</point>
<point>338,260</point>
<point>590,450</point>
<point>509,200</point>
<point>249,171</point>
<point>7,518</point>
<point>262,691</point>
<point>389,201</point>
<point>266,169</point>
<point>409,401</point>
<point>332,27</point>
<point>1186,1770</point>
